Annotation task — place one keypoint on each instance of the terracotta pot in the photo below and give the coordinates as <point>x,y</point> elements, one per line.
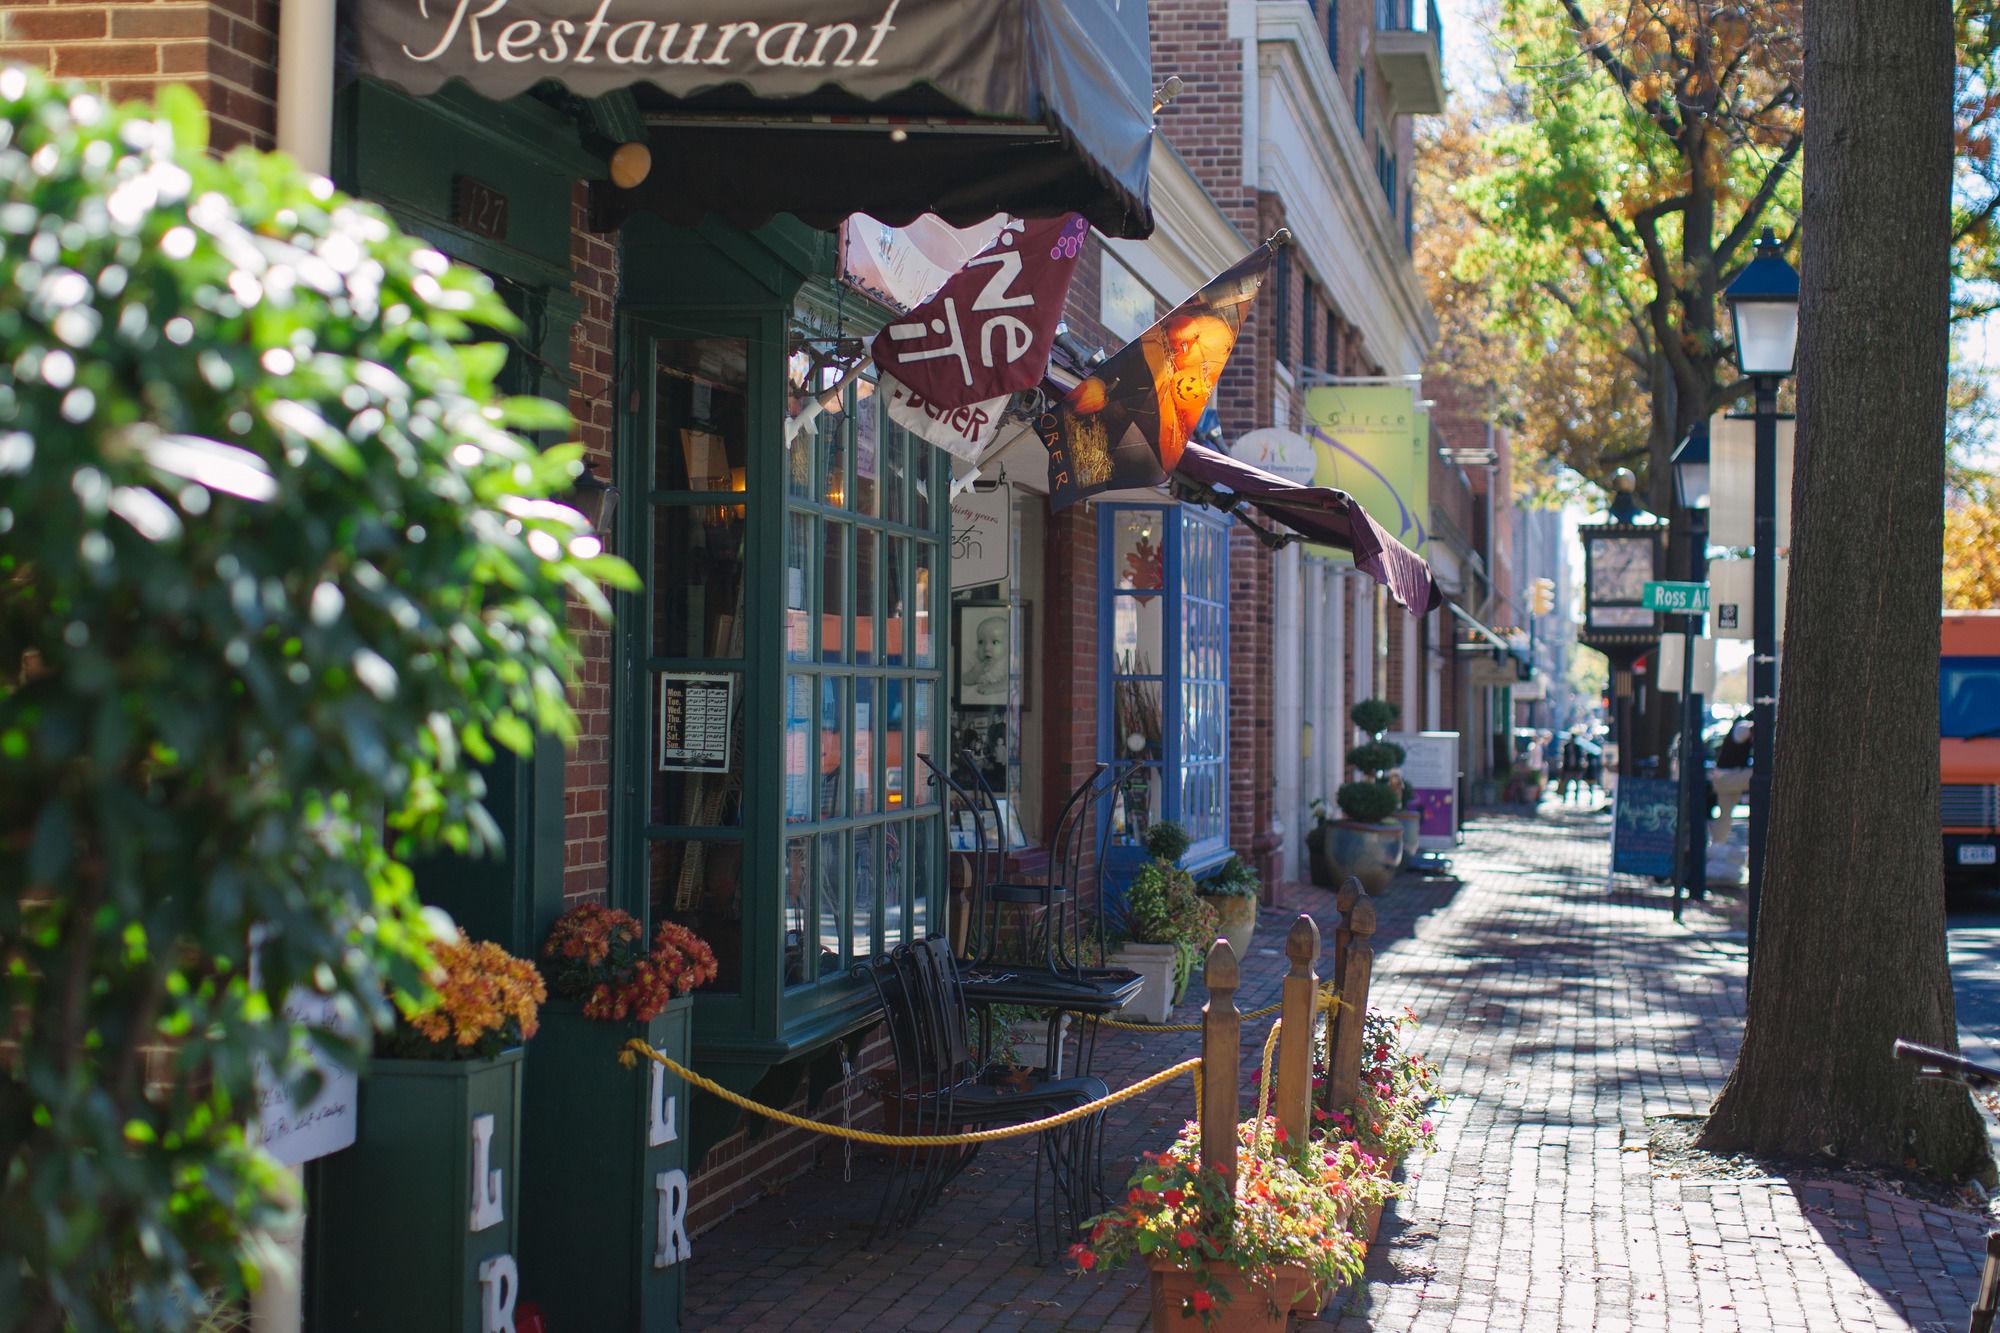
<point>1373,1226</point>
<point>1250,1308</point>
<point>1236,919</point>
<point>1369,852</point>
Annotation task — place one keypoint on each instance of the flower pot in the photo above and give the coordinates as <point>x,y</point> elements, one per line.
<point>1319,864</point>
<point>1236,917</point>
<point>1031,1041</point>
<point>392,1219</point>
<point>1154,1002</point>
<point>1251,1307</point>
<point>597,1139</point>
<point>1369,852</point>
<point>1412,821</point>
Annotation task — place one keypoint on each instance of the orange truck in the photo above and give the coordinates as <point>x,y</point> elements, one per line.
<point>1969,749</point>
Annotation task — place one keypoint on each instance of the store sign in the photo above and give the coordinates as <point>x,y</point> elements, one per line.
<point>695,716</point>
<point>1282,453</point>
<point>295,1133</point>
<point>1430,766</point>
<point>981,523</point>
<point>1643,826</point>
<point>1373,442</point>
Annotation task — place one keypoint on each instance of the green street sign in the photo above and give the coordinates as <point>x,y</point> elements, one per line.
<point>1681,598</point>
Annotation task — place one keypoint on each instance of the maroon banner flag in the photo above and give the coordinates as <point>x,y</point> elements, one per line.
<point>988,331</point>
<point>1128,423</point>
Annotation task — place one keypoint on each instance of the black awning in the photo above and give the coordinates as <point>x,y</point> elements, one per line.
<point>821,108</point>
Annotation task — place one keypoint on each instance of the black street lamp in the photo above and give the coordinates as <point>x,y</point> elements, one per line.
<point>1764,306</point>
<point>1691,490</point>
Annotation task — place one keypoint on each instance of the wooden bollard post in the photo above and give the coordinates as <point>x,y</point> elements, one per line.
<point>1350,893</point>
<point>1295,1032</point>
<point>1344,1075</point>
<point>1221,1062</point>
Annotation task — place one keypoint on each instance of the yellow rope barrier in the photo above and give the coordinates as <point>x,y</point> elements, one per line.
<point>1327,1000</point>
<point>636,1049</point>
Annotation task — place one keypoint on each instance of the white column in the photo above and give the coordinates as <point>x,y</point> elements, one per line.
<point>1334,750</point>
<point>1434,673</point>
<point>1363,638</point>
<point>1288,699</point>
<point>305,83</point>
<point>1413,668</point>
<point>1312,753</point>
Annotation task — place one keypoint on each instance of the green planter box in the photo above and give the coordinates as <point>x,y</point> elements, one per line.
<point>604,1166</point>
<point>393,1217</point>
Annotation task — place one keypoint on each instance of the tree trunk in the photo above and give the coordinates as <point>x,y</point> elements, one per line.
<point>1851,945</point>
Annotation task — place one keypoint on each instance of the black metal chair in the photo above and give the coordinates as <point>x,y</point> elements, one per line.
<point>1050,916</point>
<point>940,1089</point>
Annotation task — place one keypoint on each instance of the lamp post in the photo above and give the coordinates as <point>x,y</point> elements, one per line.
<point>1764,306</point>
<point>1691,490</point>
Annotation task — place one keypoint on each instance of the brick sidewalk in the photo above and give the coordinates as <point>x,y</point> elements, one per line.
<point>1563,1017</point>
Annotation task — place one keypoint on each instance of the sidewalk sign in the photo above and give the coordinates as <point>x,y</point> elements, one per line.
<point>1430,766</point>
<point>1646,813</point>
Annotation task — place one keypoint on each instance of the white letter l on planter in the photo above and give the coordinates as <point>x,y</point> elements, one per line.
<point>487,1209</point>
<point>661,1127</point>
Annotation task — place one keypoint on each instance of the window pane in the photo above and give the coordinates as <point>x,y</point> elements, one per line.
<point>894,754</point>
<point>1139,733</point>
<point>698,581</point>
<point>832,902</point>
<point>921,740</point>
<point>895,474</point>
<point>702,430</point>
<point>895,601</point>
<point>699,885</point>
<point>799,455</point>
<point>864,747</point>
<point>867,451</point>
<point>867,856</point>
<point>920,498</point>
<point>798,910</point>
<point>923,843</point>
<point>832,750</point>
<point>920,604</point>
<point>1135,635</point>
<point>831,448</point>
<point>833,594</point>
<point>798,749</point>
<point>798,587</point>
<point>687,791</point>
<point>1138,552</point>
<point>893,913</point>
<point>866,542</point>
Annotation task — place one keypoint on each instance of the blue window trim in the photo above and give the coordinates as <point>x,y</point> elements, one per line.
<point>1175,521</point>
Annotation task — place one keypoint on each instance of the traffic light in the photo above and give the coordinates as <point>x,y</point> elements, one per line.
<point>1541,596</point>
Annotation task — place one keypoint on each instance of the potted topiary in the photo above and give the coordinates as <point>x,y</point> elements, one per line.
<point>1240,1255</point>
<point>1368,843</point>
<point>1231,892</point>
<point>439,1126</point>
<point>582,1210</point>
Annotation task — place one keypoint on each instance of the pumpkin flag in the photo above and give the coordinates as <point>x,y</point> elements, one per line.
<point>1128,424</point>
<point>951,365</point>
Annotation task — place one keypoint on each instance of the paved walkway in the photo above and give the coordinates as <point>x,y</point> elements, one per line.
<point>1566,1020</point>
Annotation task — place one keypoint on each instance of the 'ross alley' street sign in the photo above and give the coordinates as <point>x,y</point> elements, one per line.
<point>1684,598</point>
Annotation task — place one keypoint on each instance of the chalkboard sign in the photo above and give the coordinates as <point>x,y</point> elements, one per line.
<point>1643,826</point>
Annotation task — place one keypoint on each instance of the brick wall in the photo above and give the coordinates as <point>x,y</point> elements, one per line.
<point>226,50</point>
<point>1068,703</point>
<point>587,782</point>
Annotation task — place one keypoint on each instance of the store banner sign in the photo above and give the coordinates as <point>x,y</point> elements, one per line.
<point>900,266</point>
<point>981,523</point>
<point>1372,441</point>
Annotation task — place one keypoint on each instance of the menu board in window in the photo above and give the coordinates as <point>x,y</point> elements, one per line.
<point>695,713</point>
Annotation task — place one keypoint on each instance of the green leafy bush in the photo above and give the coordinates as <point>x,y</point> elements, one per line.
<point>1374,716</point>
<point>1167,841</point>
<point>1234,878</point>
<point>1376,796</point>
<point>1164,907</point>
<point>276,573</point>
<point>1367,802</point>
<point>1376,758</point>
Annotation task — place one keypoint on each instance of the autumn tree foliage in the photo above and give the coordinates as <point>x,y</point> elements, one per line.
<point>1975,223</point>
<point>1972,546</point>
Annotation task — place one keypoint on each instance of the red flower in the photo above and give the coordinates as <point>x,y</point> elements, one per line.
<point>1184,1238</point>
<point>1084,1257</point>
<point>1202,1301</point>
<point>1173,1198</point>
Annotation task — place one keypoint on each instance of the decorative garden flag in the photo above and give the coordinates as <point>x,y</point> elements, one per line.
<point>950,366</point>
<point>1127,424</point>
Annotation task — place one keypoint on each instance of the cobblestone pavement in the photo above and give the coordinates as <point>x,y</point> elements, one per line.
<point>1564,1016</point>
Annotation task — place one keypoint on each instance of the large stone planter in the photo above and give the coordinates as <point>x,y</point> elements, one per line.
<point>416,1225</point>
<point>604,1157</point>
<point>1155,965</point>
<point>1236,920</point>
<point>1370,853</point>
<point>1249,1309</point>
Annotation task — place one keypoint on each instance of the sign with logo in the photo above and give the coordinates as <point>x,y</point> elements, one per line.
<point>1681,598</point>
<point>1282,453</point>
<point>981,525</point>
<point>1643,824</point>
<point>1430,766</point>
<point>1373,442</point>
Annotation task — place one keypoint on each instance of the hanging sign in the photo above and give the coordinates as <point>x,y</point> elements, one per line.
<point>1373,442</point>
<point>1282,453</point>
<point>695,716</point>
<point>980,536</point>
<point>1643,826</point>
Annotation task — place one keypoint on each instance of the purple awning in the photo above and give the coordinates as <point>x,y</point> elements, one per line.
<point>1318,514</point>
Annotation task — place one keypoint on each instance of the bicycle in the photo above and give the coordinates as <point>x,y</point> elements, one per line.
<point>1933,1063</point>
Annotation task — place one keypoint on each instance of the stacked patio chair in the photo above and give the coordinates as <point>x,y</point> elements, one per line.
<point>939,1088</point>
